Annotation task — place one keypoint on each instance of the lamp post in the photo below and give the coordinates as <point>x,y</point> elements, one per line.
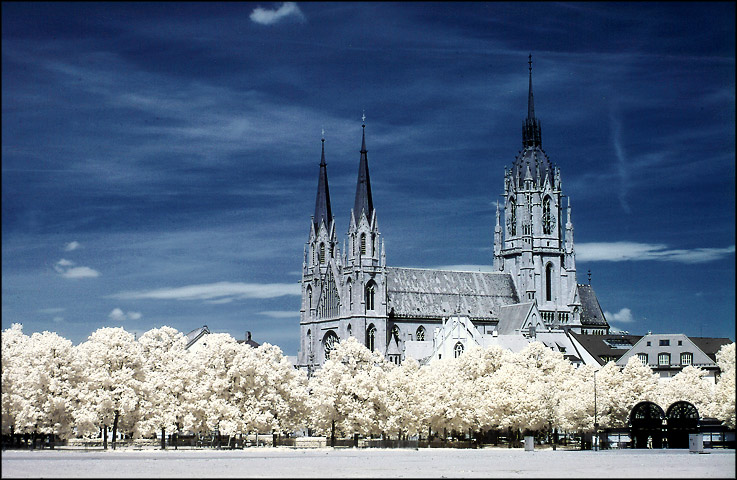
<point>596,423</point>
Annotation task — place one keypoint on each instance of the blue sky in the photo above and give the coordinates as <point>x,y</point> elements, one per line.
<point>160,161</point>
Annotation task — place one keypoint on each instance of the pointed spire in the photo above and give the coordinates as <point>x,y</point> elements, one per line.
<point>531,129</point>
<point>323,211</point>
<point>364,202</point>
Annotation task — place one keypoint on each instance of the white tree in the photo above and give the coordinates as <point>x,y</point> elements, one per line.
<point>168,379</point>
<point>14,343</point>
<point>402,400</point>
<point>725,387</point>
<point>348,392</point>
<point>111,365</point>
<point>212,400</point>
<point>688,385</point>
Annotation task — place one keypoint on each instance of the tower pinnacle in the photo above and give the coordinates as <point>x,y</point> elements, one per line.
<point>323,211</point>
<point>364,203</point>
<point>531,129</point>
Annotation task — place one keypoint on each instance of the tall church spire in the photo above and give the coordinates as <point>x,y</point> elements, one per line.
<point>322,202</point>
<point>363,202</point>
<point>531,129</point>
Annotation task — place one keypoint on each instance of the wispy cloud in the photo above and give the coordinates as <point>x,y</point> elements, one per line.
<point>118,315</point>
<point>280,314</point>
<point>268,17</point>
<point>71,246</point>
<point>66,269</point>
<point>215,291</point>
<point>622,166</point>
<point>622,316</point>
<point>632,251</point>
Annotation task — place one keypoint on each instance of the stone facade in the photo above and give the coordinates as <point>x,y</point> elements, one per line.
<point>352,292</point>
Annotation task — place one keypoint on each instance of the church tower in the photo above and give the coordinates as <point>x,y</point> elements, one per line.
<point>531,244</point>
<point>321,262</point>
<point>365,264</point>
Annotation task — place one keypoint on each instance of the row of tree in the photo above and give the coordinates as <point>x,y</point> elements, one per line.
<point>154,384</point>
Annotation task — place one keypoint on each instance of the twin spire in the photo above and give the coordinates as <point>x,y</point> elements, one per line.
<point>363,203</point>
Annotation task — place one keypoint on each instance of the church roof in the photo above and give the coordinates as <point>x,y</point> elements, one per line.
<point>196,334</point>
<point>534,159</point>
<point>591,313</point>
<point>512,317</point>
<point>420,293</point>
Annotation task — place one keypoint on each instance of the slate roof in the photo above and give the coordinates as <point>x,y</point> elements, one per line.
<point>537,161</point>
<point>195,335</point>
<point>420,293</point>
<point>710,346</point>
<point>591,313</point>
<point>323,212</point>
<point>511,317</point>
<point>614,345</point>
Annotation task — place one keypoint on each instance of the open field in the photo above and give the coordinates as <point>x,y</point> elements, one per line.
<point>376,463</point>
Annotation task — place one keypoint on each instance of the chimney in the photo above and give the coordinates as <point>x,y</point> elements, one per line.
<point>248,336</point>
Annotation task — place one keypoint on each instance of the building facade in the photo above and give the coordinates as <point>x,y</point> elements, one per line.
<point>532,288</point>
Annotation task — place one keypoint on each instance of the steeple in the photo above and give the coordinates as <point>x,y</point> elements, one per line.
<point>363,202</point>
<point>322,202</point>
<point>531,129</point>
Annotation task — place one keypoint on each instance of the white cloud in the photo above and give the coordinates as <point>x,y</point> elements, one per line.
<point>268,17</point>
<point>625,251</point>
<point>58,319</point>
<point>66,269</point>
<point>71,246</point>
<point>622,316</point>
<point>280,313</point>
<point>218,292</point>
<point>117,315</point>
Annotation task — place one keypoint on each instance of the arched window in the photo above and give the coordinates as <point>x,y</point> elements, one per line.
<point>350,294</point>
<point>395,334</point>
<point>322,253</point>
<point>547,224</point>
<point>309,340</point>
<point>350,331</point>
<point>458,350</point>
<point>329,342</point>
<point>370,295</point>
<point>373,244</point>
<point>309,297</point>
<point>548,282</point>
<point>512,222</point>
<point>371,337</point>
<point>363,244</point>
<point>420,334</point>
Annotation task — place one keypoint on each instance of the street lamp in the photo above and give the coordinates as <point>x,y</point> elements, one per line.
<point>596,423</point>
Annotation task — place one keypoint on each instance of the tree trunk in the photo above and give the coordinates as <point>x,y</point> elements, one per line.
<point>355,440</point>
<point>332,435</point>
<point>163,438</point>
<point>104,437</point>
<point>273,438</point>
<point>115,427</point>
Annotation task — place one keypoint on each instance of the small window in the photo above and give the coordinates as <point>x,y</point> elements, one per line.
<point>664,359</point>
<point>322,253</point>
<point>648,343</point>
<point>642,357</point>
<point>371,337</point>
<point>363,244</point>
<point>680,342</point>
<point>458,349</point>
<point>395,334</point>
<point>420,333</point>
<point>686,359</point>
<point>665,343</point>
<point>370,294</point>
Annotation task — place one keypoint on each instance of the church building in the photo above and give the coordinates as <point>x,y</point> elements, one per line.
<point>399,311</point>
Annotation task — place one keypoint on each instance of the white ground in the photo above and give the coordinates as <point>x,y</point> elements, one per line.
<point>373,463</point>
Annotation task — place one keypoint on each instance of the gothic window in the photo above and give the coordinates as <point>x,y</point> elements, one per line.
<point>350,331</point>
<point>686,359</point>
<point>363,244</point>
<point>664,359</point>
<point>370,294</point>
<point>642,357</point>
<point>373,244</point>
<point>309,297</point>
<point>322,253</point>
<point>395,334</point>
<point>350,295</point>
<point>371,337</point>
<point>458,350</point>
<point>512,227</point>
<point>329,343</point>
<point>420,334</point>
<point>529,202</point>
<point>547,225</point>
<point>548,281</point>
